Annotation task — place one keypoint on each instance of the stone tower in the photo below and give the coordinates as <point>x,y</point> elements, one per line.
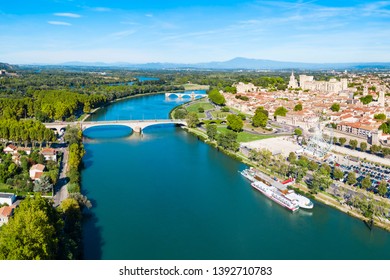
<point>293,82</point>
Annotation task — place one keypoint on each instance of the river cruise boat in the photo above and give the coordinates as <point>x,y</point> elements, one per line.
<point>255,176</point>
<point>277,196</point>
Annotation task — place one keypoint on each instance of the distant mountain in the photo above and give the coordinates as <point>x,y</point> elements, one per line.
<point>239,63</point>
<point>7,67</point>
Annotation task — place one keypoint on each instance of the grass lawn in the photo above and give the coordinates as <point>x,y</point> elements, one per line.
<point>245,136</point>
<point>195,87</point>
<point>194,107</point>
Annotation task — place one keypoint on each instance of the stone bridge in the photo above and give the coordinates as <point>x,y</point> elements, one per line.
<point>135,125</point>
<point>192,95</point>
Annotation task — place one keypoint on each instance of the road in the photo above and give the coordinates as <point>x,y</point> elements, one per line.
<point>61,190</point>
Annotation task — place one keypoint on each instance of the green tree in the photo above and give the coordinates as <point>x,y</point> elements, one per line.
<point>228,140</point>
<point>260,118</point>
<point>280,111</point>
<point>338,173</point>
<point>180,113</point>
<point>366,99</point>
<point>342,141</point>
<point>382,188</point>
<point>298,131</point>
<point>375,149</point>
<point>216,97</point>
<point>313,166</point>
<point>351,179</point>
<point>366,182</point>
<point>292,157</point>
<point>298,107</point>
<point>211,130</point>
<point>380,116</point>
<point>192,119</point>
<point>235,123</point>
<point>33,233</point>
<point>353,143</point>
<point>363,146</point>
<point>335,107</point>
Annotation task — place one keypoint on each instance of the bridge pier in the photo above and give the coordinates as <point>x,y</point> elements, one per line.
<point>137,129</point>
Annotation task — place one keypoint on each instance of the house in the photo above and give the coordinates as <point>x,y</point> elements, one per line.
<point>49,154</point>
<point>5,213</point>
<point>8,198</point>
<point>26,150</point>
<point>10,149</point>
<point>36,171</point>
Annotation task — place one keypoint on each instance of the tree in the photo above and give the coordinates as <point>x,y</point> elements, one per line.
<point>366,182</point>
<point>292,157</point>
<point>180,113</point>
<point>382,188</point>
<point>338,174</point>
<point>342,141</point>
<point>375,149</point>
<point>380,116</point>
<point>335,107</point>
<point>259,119</point>
<point>366,99</point>
<point>298,132</point>
<point>313,166</point>
<point>353,143</point>
<point>280,111</point>
<point>216,97</point>
<point>351,179</point>
<point>73,135</point>
<point>43,184</point>
<point>211,130</point>
<point>33,233</point>
<point>192,119</point>
<point>363,146</point>
<point>228,141</point>
<point>298,107</point>
<point>325,169</point>
<point>235,122</point>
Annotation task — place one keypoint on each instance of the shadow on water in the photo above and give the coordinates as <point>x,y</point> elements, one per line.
<point>92,237</point>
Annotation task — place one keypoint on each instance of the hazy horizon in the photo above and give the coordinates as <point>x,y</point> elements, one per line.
<point>187,32</point>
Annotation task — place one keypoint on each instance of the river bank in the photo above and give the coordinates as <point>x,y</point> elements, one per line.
<point>322,197</point>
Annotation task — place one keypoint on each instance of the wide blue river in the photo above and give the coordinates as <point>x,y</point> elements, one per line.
<point>167,195</point>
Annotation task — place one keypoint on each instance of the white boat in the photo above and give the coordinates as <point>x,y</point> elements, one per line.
<point>255,176</point>
<point>274,194</point>
<point>303,201</point>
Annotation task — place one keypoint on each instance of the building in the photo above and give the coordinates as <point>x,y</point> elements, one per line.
<point>8,198</point>
<point>244,88</point>
<point>49,154</point>
<point>333,86</point>
<point>293,83</point>
<point>10,149</point>
<point>5,213</point>
<point>36,171</point>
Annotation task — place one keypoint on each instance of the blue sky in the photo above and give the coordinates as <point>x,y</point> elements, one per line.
<point>141,31</point>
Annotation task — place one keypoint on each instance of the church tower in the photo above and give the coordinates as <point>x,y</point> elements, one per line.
<point>293,82</point>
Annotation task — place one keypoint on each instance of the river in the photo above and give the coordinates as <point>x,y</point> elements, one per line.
<point>167,195</point>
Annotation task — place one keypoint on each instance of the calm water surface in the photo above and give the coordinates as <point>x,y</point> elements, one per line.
<point>167,195</point>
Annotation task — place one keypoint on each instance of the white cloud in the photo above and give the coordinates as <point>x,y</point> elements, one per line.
<point>149,15</point>
<point>122,34</point>
<point>70,15</point>
<point>59,23</point>
<point>101,9</point>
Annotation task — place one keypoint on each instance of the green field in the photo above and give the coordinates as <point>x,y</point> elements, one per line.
<point>194,107</point>
<point>245,136</point>
<point>195,87</point>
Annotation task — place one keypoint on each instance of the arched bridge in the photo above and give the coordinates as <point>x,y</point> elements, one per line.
<point>135,125</point>
<point>192,95</point>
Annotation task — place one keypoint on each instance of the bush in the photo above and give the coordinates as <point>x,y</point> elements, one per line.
<point>73,188</point>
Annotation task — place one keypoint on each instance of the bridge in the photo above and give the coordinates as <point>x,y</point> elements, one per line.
<point>192,95</point>
<point>135,125</point>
